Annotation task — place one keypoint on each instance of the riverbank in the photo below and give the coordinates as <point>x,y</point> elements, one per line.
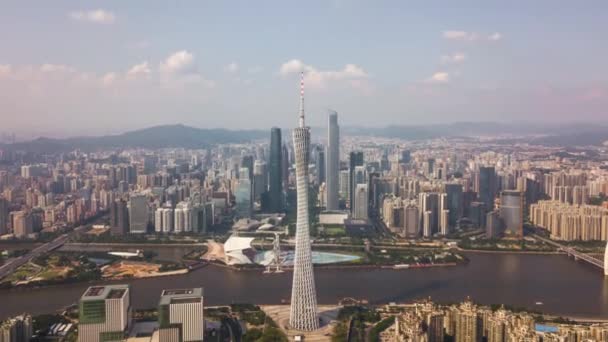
<point>510,252</point>
<point>516,280</point>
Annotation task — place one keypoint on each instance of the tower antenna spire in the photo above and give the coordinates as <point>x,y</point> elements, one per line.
<point>302,99</point>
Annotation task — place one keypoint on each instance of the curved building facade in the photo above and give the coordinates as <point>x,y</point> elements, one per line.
<point>303,312</point>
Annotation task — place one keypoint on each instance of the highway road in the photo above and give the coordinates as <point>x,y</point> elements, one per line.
<point>11,265</point>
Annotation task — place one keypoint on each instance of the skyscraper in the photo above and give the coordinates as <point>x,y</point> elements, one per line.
<point>243,194</point>
<point>361,202</point>
<point>303,314</point>
<point>355,159</point>
<point>119,217</point>
<point>138,213</point>
<point>454,202</point>
<point>260,179</point>
<point>3,216</point>
<point>486,186</point>
<point>275,181</point>
<point>320,165</point>
<point>512,212</point>
<point>333,162</point>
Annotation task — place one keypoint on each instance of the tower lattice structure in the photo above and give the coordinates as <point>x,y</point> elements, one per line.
<point>303,314</point>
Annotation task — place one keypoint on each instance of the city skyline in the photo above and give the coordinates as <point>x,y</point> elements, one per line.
<point>419,63</point>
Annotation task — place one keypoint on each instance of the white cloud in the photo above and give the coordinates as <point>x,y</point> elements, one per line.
<point>495,36</point>
<point>56,68</point>
<point>439,78</point>
<point>454,58</point>
<point>470,36</point>
<point>98,16</point>
<point>142,69</point>
<point>180,69</point>
<point>109,78</point>
<point>5,69</point>
<point>231,68</point>
<point>180,62</point>
<point>318,78</point>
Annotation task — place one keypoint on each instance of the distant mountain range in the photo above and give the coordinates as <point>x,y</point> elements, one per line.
<point>191,137</point>
<point>153,137</point>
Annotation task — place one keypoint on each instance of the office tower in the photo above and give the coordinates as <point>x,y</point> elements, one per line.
<point>104,313</point>
<point>247,162</point>
<point>493,225</point>
<point>512,212</point>
<point>17,329</point>
<point>454,202</point>
<point>243,195</point>
<point>275,181</point>
<point>119,217</point>
<point>355,159</point>
<point>3,216</point>
<point>138,214</point>
<point>406,156</point>
<point>320,165</point>
<point>361,202</point>
<point>260,179</point>
<point>430,170</point>
<point>486,186</point>
<point>303,313</point>
<point>345,184</point>
<point>285,162</point>
<point>333,162</point>
<point>180,315</point>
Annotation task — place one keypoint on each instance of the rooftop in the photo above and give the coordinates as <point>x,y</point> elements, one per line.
<point>181,296</point>
<point>105,292</point>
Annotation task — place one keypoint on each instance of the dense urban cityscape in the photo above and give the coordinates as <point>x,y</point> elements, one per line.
<point>439,174</point>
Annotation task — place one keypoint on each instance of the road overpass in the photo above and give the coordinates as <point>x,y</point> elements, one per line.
<point>11,265</point>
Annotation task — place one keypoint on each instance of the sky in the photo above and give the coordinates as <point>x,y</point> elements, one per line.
<point>98,67</point>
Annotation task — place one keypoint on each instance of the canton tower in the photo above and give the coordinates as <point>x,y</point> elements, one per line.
<point>303,315</point>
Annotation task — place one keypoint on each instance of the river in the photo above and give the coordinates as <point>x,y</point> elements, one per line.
<point>565,287</point>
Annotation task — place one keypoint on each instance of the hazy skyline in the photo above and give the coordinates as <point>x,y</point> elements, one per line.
<point>79,68</point>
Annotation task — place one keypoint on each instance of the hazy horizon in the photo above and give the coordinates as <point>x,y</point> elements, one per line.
<point>105,67</point>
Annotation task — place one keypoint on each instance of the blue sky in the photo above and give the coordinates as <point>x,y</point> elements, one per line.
<point>92,67</point>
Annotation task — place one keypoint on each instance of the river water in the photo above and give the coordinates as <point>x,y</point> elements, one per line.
<point>565,287</point>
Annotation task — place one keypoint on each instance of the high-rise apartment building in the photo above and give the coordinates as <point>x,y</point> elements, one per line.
<point>333,162</point>
<point>17,329</point>
<point>344,184</point>
<point>180,315</point>
<point>104,313</point>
